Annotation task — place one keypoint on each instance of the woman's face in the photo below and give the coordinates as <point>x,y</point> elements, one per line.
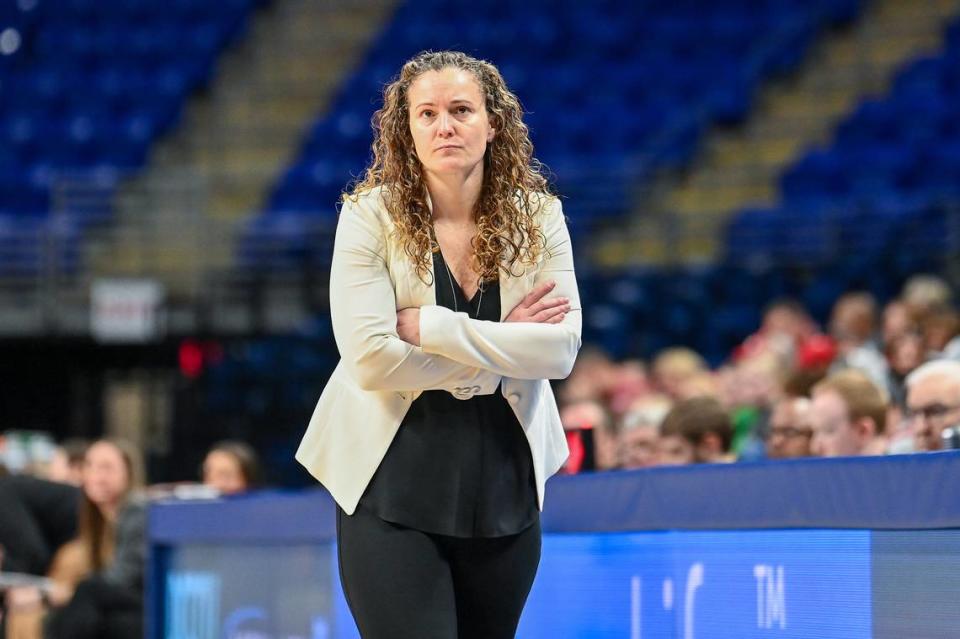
<point>449,121</point>
<point>222,471</point>
<point>105,476</point>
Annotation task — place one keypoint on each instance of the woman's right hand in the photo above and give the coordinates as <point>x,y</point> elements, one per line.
<point>533,308</point>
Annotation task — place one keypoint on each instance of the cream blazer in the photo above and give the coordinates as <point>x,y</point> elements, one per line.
<point>379,375</point>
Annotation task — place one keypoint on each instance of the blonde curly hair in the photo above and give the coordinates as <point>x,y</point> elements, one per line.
<point>513,189</point>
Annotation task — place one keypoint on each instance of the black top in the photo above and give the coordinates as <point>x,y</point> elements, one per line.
<point>457,467</point>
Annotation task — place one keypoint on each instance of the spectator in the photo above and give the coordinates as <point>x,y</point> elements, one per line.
<point>109,553</point>
<point>695,430</point>
<point>897,321</point>
<point>628,383</point>
<point>790,429</point>
<point>66,465</point>
<point>640,431</point>
<point>592,376</point>
<point>231,467</point>
<point>923,293</point>
<point>674,368</point>
<point>933,401</point>
<point>853,325</point>
<point>940,327</point>
<point>904,353</point>
<point>848,414</point>
<point>785,328</point>
<point>38,517</point>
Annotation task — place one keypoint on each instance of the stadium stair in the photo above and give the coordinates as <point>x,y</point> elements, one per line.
<point>680,217</point>
<point>217,166</point>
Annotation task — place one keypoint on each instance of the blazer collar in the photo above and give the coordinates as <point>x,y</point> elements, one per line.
<point>511,288</point>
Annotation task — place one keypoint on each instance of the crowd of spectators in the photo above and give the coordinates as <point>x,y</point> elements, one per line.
<point>73,533</point>
<point>873,380</point>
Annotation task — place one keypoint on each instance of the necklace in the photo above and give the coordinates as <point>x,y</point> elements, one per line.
<point>454,292</point>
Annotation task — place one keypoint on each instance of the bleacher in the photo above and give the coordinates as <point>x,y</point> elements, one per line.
<point>603,112</point>
<point>888,181</point>
<point>86,87</point>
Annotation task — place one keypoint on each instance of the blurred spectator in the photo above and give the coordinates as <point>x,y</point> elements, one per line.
<point>695,430</point>
<point>640,431</point>
<point>940,328</point>
<point>848,415</point>
<point>591,437</point>
<point>800,383</point>
<point>853,327</point>
<point>628,381</point>
<point>674,368</point>
<point>785,328</point>
<point>99,590</point>
<point>38,517</point>
<point>790,429</point>
<point>897,321</point>
<point>750,387</point>
<point>66,464</point>
<point>933,402</point>
<point>923,293</point>
<point>592,375</point>
<point>904,353</point>
<point>231,467</point>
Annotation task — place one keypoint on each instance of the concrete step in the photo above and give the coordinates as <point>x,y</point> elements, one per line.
<point>742,167</point>
<point>240,133</point>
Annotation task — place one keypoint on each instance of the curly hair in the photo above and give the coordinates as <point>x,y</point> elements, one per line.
<point>513,185</point>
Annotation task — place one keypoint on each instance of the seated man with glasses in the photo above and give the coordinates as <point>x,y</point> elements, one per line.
<point>933,404</point>
<point>790,429</point>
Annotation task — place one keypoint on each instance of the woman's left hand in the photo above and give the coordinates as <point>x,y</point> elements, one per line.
<point>408,325</point>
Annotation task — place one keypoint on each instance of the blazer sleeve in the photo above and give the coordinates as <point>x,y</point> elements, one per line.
<point>521,350</point>
<point>364,317</point>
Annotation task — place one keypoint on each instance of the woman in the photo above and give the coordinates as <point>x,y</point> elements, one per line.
<point>100,574</point>
<point>437,430</point>
<point>232,467</point>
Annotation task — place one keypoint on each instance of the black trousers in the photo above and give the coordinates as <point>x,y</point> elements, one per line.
<point>402,583</point>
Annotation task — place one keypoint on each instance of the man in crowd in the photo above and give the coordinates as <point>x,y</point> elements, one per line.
<point>933,402</point>
<point>848,414</point>
<point>790,429</point>
<point>640,431</point>
<point>696,430</point>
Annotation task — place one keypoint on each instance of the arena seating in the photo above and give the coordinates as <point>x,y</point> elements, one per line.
<point>888,181</point>
<point>87,86</point>
<point>602,111</point>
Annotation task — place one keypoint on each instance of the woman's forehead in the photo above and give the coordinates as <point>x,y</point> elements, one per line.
<point>447,84</point>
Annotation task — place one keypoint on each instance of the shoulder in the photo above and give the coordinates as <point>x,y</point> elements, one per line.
<point>546,208</point>
<point>364,219</point>
<point>370,203</point>
<point>133,514</point>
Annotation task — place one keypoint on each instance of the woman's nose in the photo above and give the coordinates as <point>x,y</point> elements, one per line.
<point>445,124</point>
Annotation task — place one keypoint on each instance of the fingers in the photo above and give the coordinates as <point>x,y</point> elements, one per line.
<point>538,292</point>
<point>551,303</point>
<point>550,314</point>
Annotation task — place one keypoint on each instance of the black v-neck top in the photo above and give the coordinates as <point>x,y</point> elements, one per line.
<point>457,467</point>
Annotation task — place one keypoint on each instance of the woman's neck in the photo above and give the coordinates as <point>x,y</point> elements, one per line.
<point>109,511</point>
<point>454,196</point>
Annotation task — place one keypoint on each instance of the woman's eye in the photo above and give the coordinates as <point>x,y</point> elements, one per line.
<point>463,109</point>
<point>426,113</point>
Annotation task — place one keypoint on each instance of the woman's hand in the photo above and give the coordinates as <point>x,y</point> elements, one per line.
<point>533,308</point>
<point>408,325</point>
